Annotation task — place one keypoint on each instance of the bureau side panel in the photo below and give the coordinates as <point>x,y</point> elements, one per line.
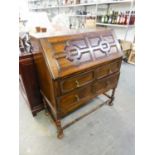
<point>45,79</point>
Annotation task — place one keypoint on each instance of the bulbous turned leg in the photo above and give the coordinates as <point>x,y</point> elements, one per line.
<point>111,102</point>
<point>60,133</point>
<point>34,114</point>
<point>112,98</point>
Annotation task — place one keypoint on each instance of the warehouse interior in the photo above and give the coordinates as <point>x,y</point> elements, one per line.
<point>69,85</point>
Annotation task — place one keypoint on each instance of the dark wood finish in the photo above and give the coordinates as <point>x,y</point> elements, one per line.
<point>69,84</point>
<point>73,100</point>
<point>74,68</point>
<point>29,83</point>
<point>108,69</point>
<point>107,83</point>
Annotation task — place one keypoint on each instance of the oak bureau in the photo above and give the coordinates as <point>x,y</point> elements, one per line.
<point>74,67</point>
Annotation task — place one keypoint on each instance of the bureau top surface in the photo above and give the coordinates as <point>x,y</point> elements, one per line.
<point>67,32</point>
<point>77,51</point>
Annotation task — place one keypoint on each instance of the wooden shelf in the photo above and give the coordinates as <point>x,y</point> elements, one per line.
<point>114,25</point>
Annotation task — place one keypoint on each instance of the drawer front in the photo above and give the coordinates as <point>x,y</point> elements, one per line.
<point>75,82</point>
<point>105,84</point>
<point>115,66</point>
<point>108,69</point>
<point>73,100</point>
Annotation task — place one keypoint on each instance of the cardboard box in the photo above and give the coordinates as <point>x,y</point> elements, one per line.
<point>90,23</point>
<point>131,58</point>
<point>125,45</point>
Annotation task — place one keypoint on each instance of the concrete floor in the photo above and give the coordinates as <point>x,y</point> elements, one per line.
<point>107,131</point>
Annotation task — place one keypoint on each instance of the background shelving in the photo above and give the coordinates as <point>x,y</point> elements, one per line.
<point>123,32</point>
<point>93,9</point>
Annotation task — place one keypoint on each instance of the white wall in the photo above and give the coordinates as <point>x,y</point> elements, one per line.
<point>23,9</point>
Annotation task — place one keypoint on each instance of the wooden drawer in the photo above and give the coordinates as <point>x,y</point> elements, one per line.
<point>75,82</point>
<point>73,100</point>
<point>106,84</point>
<point>108,69</point>
<point>115,66</point>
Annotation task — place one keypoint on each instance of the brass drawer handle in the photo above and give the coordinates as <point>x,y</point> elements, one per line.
<point>77,98</point>
<point>77,83</point>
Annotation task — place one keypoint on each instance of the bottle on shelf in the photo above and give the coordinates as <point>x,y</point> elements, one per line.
<point>66,2</point>
<point>77,1</point>
<point>113,17</point>
<point>122,18</point>
<point>106,18</point>
<point>110,18</point>
<point>128,18</point>
<point>117,14</point>
<point>132,18</point>
<point>118,18</point>
<point>103,19</point>
<point>99,18</point>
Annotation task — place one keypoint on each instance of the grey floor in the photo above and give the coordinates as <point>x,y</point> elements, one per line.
<point>107,131</point>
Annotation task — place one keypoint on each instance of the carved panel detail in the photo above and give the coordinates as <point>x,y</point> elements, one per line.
<point>82,50</point>
<point>75,49</point>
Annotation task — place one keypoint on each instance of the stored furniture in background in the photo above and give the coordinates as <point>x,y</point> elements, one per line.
<point>29,85</point>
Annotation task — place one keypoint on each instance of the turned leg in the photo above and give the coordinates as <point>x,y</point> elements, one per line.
<point>112,97</point>
<point>60,133</point>
<point>34,114</point>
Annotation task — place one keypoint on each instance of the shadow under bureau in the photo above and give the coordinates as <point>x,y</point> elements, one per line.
<point>73,68</point>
